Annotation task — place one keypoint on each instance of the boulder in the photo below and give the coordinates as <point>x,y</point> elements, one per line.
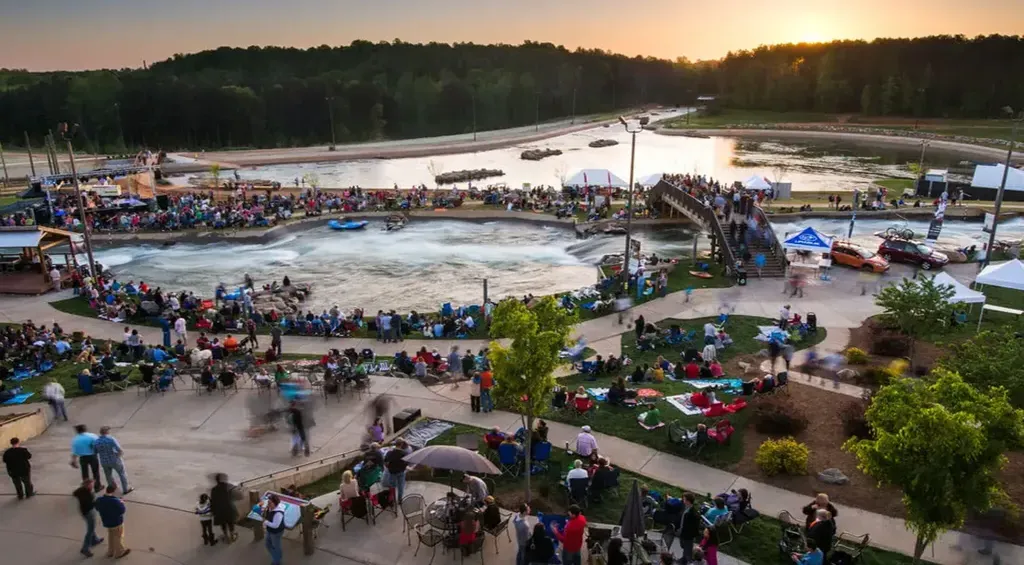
<point>538,154</point>
<point>603,143</point>
<point>847,374</point>
<point>833,476</point>
<point>149,307</point>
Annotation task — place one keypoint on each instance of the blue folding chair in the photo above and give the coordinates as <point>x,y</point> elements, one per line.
<point>541,456</point>
<point>508,459</point>
<point>588,367</point>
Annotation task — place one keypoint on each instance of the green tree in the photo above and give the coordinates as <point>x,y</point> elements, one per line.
<point>917,308</point>
<point>942,444</point>
<point>989,359</point>
<point>524,369</point>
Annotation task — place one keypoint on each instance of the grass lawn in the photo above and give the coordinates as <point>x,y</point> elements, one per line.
<point>995,296</point>
<point>756,545</point>
<point>733,118</point>
<point>621,422</point>
<point>5,200</point>
<point>896,186</point>
<point>679,279</point>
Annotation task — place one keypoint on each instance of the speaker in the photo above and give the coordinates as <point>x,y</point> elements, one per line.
<point>405,417</point>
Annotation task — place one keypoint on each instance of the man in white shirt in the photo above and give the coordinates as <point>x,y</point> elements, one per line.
<point>53,392</point>
<point>55,279</point>
<point>586,444</point>
<point>577,472</point>
<point>469,321</point>
<point>709,332</point>
<point>784,316</point>
<point>180,330</point>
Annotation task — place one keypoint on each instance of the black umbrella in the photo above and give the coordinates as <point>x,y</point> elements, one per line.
<point>631,524</point>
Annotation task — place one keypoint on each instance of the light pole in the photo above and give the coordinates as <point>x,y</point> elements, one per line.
<point>67,135</point>
<point>330,114</point>
<point>120,126</point>
<point>1002,185</point>
<point>474,113</point>
<point>629,201</point>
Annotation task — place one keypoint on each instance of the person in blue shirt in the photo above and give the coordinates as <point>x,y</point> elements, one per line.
<point>111,510</point>
<point>62,346</point>
<point>711,515</point>
<point>812,557</point>
<point>159,355</point>
<point>83,455</point>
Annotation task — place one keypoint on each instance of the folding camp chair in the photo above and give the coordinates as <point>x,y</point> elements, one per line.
<point>579,491</point>
<point>357,508</point>
<point>541,454</point>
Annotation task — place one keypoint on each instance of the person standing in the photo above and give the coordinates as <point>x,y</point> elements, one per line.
<point>250,328</point>
<point>53,392</point>
<point>486,384</point>
<point>111,458</point>
<point>572,536</point>
<point>16,458</point>
<point>395,467</point>
<point>274,523</point>
<point>299,437</point>
<point>396,325</point>
<point>83,455</point>
<point>474,393</point>
<point>111,510</point>
<point>180,329</point>
<point>522,527</point>
<point>275,339</point>
<point>86,505</point>
<point>222,506</point>
<point>640,326</point>
<point>206,519</point>
<point>454,362</point>
<point>689,527</point>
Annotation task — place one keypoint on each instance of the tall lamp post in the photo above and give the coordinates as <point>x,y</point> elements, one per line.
<point>330,114</point>
<point>67,134</point>
<point>629,202</point>
<point>1002,185</point>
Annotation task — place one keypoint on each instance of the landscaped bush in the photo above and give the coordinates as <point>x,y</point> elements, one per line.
<point>855,421</point>
<point>856,356</point>
<point>777,416</point>
<point>784,455</point>
<point>878,376</point>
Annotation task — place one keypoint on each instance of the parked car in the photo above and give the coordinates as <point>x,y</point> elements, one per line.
<point>859,258</point>
<point>904,251</point>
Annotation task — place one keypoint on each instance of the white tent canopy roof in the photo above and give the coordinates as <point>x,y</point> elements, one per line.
<point>21,238</point>
<point>961,292</point>
<point>651,180</point>
<point>991,176</point>
<point>756,183</point>
<point>596,177</point>
<point>809,239</point>
<point>1009,274</point>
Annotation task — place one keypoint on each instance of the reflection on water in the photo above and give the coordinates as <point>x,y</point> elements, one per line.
<point>821,165</point>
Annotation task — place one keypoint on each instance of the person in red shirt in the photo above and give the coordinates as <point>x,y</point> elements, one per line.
<point>692,370</point>
<point>572,537</point>
<point>486,384</point>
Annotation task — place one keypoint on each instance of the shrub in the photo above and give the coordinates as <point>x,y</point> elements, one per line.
<point>878,376</point>
<point>856,356</point>
<point>784,455</point>
<point>776,416</point>
<point>855,421</point>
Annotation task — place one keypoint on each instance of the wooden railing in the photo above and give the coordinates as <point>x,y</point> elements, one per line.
<point>706,215</point>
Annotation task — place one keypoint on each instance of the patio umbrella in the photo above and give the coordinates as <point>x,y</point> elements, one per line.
<point>631,523</point>
<point>453,458</point>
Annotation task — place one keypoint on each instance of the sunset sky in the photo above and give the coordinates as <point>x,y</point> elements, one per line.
<point>86,34</point>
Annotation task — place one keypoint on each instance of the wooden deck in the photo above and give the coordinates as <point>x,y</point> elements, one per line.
<point>23,283</point>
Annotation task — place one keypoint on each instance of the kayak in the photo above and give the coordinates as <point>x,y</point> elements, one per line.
<point>701,274</point>
<point>346,226</point>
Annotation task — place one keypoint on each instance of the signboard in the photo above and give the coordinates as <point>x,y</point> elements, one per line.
<point>934,229</point>
<point>634,248</point>
<point>989,223</point>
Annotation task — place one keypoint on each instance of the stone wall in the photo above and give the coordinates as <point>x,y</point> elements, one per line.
<point>23,426</point>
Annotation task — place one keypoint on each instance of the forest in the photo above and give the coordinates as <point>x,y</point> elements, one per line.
<point>276,97</point>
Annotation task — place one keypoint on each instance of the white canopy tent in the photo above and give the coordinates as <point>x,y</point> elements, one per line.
<point>991,176</point>
<point>596,177</point>
<point>1009,274</point>
<point>809,239</point>
<point>651,180</point>
<point>756,183</point>
<point>961,292</point>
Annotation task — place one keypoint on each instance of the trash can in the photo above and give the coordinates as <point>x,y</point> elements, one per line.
<point>741,277</point>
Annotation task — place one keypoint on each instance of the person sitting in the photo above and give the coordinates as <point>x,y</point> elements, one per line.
<point>822,530</point>
<point>652,418</point>
<point>603,477</point>
<point>616,556</point>
<point>586,444</point>
<point>716,369</point>
<point>469,529</point>
<point>814,556</point>
<point>577,472</point>
<point>613,365</point>
<point>230,344</point>
<point>206,379</point>
<point>765,385</point>
<point>347,490</point>
<point>540,433</point>
<point>692,370</point>
<point>705,371</point>
<point>638,374</point>
<point>492,514</point>
<point>227,377</point>
<point>617,392</point>
<point>718,510</point>
<point>494,437</point>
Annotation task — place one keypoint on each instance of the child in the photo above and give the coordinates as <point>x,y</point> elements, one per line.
<point>474,393</point>
<point>709,546</point>
<point>698,557</point>
<point>206,520</point>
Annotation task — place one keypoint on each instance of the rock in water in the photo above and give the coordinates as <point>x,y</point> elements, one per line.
<point>833,476</point>
<point>603,143</point>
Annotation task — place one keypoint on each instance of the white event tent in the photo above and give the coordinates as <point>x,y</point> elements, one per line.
<point>596,177</point>
<point>961,292</point>
<point>809,239</point>
<point>1008,274</point>
<point>756,183</point>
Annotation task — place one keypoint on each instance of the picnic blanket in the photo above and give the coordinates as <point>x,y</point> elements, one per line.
<point>19,399</point>
<point>648,393</point>
<point>22,374</point>
<point>731,386</point>
<point>598,394</point>
<point>682,403</point>
<point>640,420</point>
<point>766,333</point>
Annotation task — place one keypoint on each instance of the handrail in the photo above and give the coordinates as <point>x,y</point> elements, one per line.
<point>293,468</point>
<point>777,247</point>
<point>706,214</point>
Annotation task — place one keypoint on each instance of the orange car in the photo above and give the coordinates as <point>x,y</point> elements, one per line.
<point>858,258</point>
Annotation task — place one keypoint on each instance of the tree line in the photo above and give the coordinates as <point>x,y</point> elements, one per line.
<point>274,97</point>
